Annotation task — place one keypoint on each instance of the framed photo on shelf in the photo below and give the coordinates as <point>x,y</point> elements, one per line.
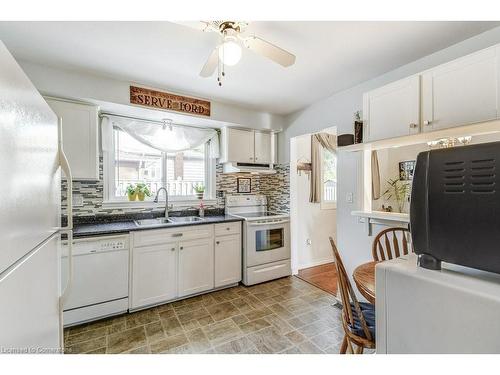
<point>244,185</point>
<point>406,170</point>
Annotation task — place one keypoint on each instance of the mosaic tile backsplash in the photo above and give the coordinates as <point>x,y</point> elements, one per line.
<point>276,187</point>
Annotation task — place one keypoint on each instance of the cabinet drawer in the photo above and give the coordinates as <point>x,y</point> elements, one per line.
<point>228,228</point>
<point>159,236</point>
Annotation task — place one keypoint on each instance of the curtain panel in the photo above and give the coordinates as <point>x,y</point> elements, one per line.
<point>329,142</point>
<point>165,138</point>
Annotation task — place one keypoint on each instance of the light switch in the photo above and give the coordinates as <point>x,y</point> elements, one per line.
<point>349,197</point>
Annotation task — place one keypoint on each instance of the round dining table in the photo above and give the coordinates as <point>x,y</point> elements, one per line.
<point>364,277</point>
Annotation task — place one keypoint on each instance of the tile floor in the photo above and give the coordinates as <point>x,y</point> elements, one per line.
<point>282,316</point>
<point>324,277</point>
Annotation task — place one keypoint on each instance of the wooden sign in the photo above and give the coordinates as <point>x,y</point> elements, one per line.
<point>172,102</point>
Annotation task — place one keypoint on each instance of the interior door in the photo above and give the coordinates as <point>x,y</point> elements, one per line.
<point>393,110</point>
<point>196,266</point>
<point>240,146</point>
<point>154,274</point>
<point>263,148</point>
<point>461,92</point>
<point>29,317</point>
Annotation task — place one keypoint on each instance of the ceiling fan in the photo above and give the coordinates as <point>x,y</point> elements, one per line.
<point>228,52</point>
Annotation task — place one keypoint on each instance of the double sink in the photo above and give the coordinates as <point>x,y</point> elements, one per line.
<point>167,220</point>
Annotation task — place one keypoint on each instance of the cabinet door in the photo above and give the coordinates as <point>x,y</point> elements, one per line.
<point>80,137</point>
<point>240,146</point>
<point>263,148</point>
<point>154,274</point>
<point>393,110</point>
<point>227,260</point>
<point>196,266</point>
<point>461,92</point>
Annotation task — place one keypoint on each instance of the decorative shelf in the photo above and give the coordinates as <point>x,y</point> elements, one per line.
<point>474,129</point>
<point>381,218</point>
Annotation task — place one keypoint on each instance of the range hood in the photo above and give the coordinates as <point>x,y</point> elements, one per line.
<point>248,168</point>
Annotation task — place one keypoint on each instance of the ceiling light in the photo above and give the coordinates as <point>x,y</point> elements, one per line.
<point>230,52</point>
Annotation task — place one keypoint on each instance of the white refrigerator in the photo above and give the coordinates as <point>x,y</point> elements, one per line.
<point>31,164</point>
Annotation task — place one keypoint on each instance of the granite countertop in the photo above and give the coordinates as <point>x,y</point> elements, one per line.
<point>103,227</point>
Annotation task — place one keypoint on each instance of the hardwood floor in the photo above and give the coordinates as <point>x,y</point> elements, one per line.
<point>323,277</point>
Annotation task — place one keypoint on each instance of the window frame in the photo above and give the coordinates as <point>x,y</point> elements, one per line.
<point>325,204</point>
<point>112,201</point>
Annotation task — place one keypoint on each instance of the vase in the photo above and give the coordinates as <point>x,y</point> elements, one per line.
<point>132,197</point>
<point>141,196</point>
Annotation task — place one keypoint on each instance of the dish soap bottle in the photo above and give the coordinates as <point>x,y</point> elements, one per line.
<point>201,210</point>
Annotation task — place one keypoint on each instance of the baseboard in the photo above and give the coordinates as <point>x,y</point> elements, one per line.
<point>315,263</point>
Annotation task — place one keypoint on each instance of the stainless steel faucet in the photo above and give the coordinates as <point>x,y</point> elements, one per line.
<point>166,199</point>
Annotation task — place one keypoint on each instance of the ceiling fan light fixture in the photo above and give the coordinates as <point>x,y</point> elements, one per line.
<point>230,52</point>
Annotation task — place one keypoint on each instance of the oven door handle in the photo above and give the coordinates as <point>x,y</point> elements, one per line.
<point>252,223</point>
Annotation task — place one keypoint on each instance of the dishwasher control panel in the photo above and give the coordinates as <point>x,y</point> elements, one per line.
<point>91,245</point>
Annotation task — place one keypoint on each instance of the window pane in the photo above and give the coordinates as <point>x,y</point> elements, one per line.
<point>135,163</point>
<point>329,176</point>
<point>185,170</point>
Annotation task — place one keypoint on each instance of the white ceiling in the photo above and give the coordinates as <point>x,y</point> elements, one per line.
<point>331,56</point>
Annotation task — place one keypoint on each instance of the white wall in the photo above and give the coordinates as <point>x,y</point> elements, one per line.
<point>337,110</point>
<point>114,94</point>
<point>309,221</point>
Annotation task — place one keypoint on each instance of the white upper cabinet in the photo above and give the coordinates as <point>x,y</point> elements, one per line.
<point>263,148</point>
<point>247,146</point>
<point>392,110</point>
<point>80,137</point>
<point>239,145</point>
<point>461,92</point>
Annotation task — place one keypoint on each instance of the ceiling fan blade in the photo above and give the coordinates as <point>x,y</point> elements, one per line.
<point>211,64</point>
<point>269,50</point>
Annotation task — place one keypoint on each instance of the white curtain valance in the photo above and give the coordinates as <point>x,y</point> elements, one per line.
<point>175,138</point>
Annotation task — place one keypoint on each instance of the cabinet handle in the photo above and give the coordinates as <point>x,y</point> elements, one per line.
<point>413,125</point>
<point>228,228</point>
<point>182,247</point>
<point>177,235</point>
<point>427,122</point>
<point>172,249</point>
<point>217,242</point>
<point>251,158</point>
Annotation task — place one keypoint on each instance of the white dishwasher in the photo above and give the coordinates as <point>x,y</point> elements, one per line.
<point>100,278</point>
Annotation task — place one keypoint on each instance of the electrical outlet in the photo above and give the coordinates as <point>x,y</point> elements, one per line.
<point>77,200</point>
<point>349,197</point>
<point>308,242</point>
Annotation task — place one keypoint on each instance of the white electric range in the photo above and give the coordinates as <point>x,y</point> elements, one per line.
<point>266,238</point>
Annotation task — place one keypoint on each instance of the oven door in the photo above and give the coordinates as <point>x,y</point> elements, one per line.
<point>267,242</point>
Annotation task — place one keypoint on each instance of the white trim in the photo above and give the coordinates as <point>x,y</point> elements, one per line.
<point>193,203</point>
<point>326,205</point>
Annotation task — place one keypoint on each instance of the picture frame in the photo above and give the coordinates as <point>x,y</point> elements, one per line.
<point>244,185</point>
<point>406,170</point>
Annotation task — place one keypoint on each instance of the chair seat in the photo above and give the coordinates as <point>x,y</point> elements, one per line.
<point>368,311</point>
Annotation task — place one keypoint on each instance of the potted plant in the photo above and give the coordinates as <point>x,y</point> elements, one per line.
<point>399,190</point>
<point>131,193</point>
<point>142,191</point>
<point>199,190</point>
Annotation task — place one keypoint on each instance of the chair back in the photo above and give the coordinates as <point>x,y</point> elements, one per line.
<point>348,296</point>
<point>391,243</point>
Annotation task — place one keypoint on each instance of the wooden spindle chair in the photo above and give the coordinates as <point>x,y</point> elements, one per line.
<point>391,243</point>
<point>358,318</point>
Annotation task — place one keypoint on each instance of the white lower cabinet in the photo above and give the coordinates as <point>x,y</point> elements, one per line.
<point>154,274</point>
<point>196,271</point>
<point>227,260</point>
<point>172,263</point>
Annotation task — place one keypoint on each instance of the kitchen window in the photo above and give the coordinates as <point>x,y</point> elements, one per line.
<point>127,161</point>
<point>328,179</point>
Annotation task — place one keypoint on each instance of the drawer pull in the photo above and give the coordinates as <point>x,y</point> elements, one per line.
<point>177,235</point>
<point>228,228</point>
<point>182,247</point>
<point>217,242</point>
